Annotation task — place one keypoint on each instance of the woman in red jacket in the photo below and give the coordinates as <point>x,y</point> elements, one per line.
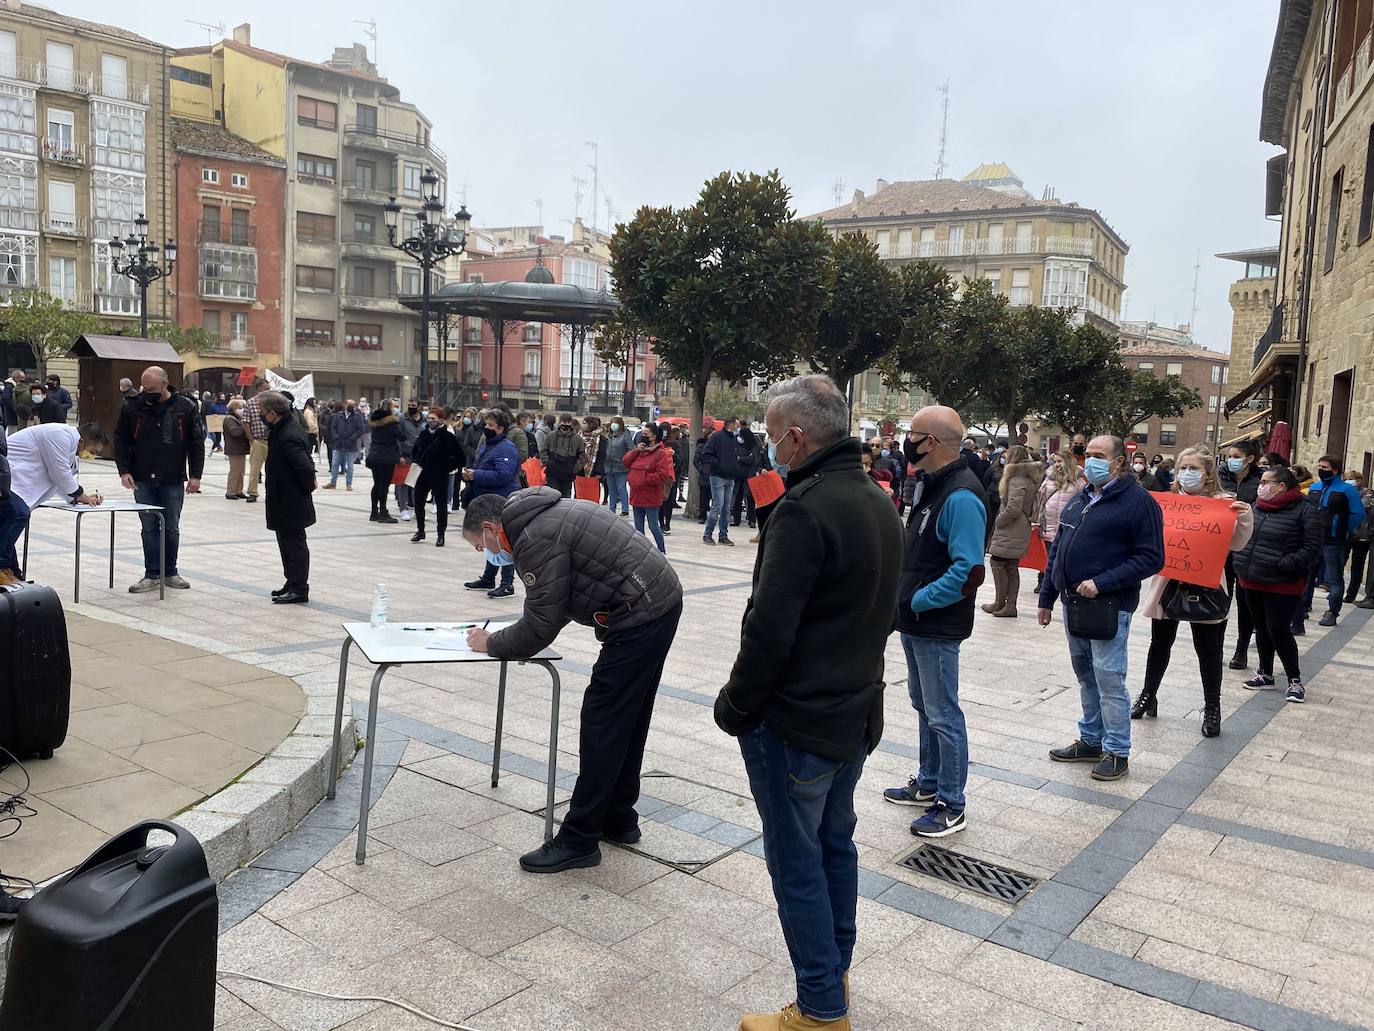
<point>651,470</point>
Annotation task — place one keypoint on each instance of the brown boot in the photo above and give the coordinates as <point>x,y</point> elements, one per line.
<point>999,583</point>
<point>7,578</point>
<point>1007,611</point>
<point>790,1019</point>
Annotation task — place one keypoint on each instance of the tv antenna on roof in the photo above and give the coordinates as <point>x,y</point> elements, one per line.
<point>940,163</point>
<point>371,34</point>
<point>212,31</point>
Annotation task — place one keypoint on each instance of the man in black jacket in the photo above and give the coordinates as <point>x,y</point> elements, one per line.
<point>805,696</point>
<point>719,460</point>
<point>44,408</point>
<point>160,454</point>
<point>289,473</point>
<point>13,390</point>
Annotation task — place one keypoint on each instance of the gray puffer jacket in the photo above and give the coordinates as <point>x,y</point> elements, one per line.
<point>579,563</point>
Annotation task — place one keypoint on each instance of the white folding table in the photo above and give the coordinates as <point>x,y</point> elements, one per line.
<point>400,644</point>
<point>110,508</point>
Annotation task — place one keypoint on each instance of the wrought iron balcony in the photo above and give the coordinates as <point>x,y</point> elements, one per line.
<point>234,234</point>
<point>64,152</point>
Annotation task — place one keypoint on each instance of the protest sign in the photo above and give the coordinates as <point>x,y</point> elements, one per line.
<point>1197,537</point>
<point>301,390</point>
<point>587,488</point>
<point>766,487</point>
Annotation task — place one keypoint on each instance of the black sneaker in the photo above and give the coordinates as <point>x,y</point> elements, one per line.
<point>551,857</point>
<point>10,905</point>
<point>1366,602</point>
<point>1077,752</point>
<point>707,540</point>
<point>504,591</point>
<point>1328,619</point>
<point>909,794</point>
<point>727,541</point>
<point>1112,767</point>
<point>939,821</point>
<point>480,585</point>
<point>629,837</point>
<point>1295,691</point>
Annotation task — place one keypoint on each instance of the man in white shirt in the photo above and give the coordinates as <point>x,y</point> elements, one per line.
<point>42,463</point>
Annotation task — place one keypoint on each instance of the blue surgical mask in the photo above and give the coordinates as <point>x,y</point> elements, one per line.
<point>1097,470</point>
<point>886,452</point>
<point>467,420</point>
<point>1189,480</point>
<point>781,468</point>
<point>529,426</point>
<point>1235,465</point>
<point>499,558</point>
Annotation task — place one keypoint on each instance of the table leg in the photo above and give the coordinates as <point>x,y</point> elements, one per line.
<point>112,519</point>
<point>161,556</point>
<point>553,747</point>
<point>368,749</point>
<point>500,721</point>
<point>338,716</point>
<point>76,587</point>
<point>24,566</point>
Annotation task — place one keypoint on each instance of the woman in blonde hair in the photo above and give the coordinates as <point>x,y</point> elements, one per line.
<point>1195,474</point>
<point>1062,481</point>
<point>1011,529</point>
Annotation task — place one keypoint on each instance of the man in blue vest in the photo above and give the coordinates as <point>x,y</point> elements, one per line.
<point>941,572</point>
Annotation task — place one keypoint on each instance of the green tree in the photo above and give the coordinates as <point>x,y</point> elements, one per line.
<point>730,402</point>
<point>1140,395</point>
<point>728,288</point>
<point>947,346</point>
<point>860,320</point>
<point>47,325</point>
<point>183,339</point>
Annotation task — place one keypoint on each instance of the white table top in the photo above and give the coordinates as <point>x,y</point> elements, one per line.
<point>106,505</point>
<point>408,642</point>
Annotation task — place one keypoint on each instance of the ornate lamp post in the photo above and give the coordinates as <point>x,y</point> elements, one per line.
<point>434,240</point>
<point>142,263</point>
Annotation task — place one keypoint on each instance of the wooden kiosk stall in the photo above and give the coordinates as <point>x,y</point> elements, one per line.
<point>104,361</point>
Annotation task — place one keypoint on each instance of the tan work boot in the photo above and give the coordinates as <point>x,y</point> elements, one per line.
<point>7,578</point>
<point>790,1019</point>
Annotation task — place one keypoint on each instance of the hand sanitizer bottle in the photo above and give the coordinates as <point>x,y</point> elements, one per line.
<point>379,607</point>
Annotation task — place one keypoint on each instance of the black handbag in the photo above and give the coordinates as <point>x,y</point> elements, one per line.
<point>1093,618</point>
<point>1189,603</point>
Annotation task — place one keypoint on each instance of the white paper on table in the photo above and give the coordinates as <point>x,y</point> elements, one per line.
<point>458,642</point>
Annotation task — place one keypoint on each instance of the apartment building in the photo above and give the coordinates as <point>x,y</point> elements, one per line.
<point>82,154</point>
<point>1166,351</point>
<point>230,207</point>
<point>349,143</point>
<point>1311,364</point>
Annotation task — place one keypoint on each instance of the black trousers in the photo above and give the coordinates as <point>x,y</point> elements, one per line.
<point>381,486</point>
<point>1208,639</point>
<point>1273,615</point>
<point>743,499</point>
<point>1245,623</point>
<point>616,710</point>
<point>295,559</point>
<point>665,510</point>
<point>564,487</point>
<point>423,489</point>
<point>1359,554</point>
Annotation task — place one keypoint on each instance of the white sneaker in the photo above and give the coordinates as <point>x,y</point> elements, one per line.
<point>143,586</point>
<point>405,515</point>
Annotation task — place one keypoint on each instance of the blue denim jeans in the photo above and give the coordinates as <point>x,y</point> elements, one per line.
<point>1100,667</point>
<point>618,489</point>
<point>722,492</point>
<point>1332,572</point>
<point>932,667</point>
<point>650,514</point>
<point>489,572</point>
<point>806,803</point>
<point>14,516</point>
<point>170,497</point>
<point>342,465</point>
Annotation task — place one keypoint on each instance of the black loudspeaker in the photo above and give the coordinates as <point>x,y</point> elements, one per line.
<point>126,942</point>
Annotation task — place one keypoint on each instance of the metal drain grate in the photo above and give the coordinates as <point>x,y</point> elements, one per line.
<point>996,882</point>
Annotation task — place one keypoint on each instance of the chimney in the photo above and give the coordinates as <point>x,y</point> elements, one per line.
<point>244,34</point>
<point>882,185</point>
<point>858,199</point>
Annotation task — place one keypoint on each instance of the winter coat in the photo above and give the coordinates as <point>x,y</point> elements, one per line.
<point>289,478</point>
<point>48,411</point>
<point>1367,500</point>
<point>1150,481</point>
<point>325,418</point>
<point>565,450</point>
<point>437,454</point>
<point>387,436</point>
<point>1152,600</point>
<point>810,663</point>
<point>579,563</point>
<point>346,431</point>
<point>594,458</point>
<point>1053,500</point>
<point>236,440</point>
<point>410,433</point>
<point>1284,545</point>
<point>1246,490</point>
<point>470,437</point>
<point>1011,529</point>
<point>651,470</point>
<point>517,436</point>
<point>161,441</point>
<point>617,444</point>
<point>1342,510</point>
<point>723,456</point>
<point>310,422</point>
<point>496,469</point>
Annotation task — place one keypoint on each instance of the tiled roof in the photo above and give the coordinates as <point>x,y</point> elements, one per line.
<point>1160,349</point>
<point>214,139</point>
<point>47,14</point>
<point>936,196</point>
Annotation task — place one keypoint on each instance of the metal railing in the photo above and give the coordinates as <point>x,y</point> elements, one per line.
<point>120,89</point>
<point>531,379</point>
<point>12,293</point>
<point>64,151</point>
<point>242,343</point>
<point>388,139</point>
<point>1270,337</point>
<point>232,233</point>
<point>354,193</point>
<point>64,223</point>
<point>1078,246</point>
<point>69,79</point>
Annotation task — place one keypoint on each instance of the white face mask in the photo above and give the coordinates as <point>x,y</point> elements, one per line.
<point>1189,480</point>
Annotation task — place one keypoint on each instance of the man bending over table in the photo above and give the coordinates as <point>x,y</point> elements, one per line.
<point>581,563</point>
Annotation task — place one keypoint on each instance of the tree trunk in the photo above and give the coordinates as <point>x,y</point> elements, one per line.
<point>698,421</point>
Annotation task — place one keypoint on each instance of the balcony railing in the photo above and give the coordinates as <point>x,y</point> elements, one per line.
<point>381,297</point>
<point>68,79</point>
<point>120,89</point>
<point>1271,336</point>
<point>356,194</point>
<point>240,343</point>
<point>228,289</point>
<point>64,152</point>
<point>389,140</point>
<point>232,233</point>
<point>111,303</point>
<point>11,293</point>
<point>1070,245</point>
<point>62,223</point>
<point>531,380</point>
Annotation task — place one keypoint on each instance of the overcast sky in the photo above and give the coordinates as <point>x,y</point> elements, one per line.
<point>1147,112</point>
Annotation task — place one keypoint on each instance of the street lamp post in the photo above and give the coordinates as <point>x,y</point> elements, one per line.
<point>142,263</point>
<point>434,240</point>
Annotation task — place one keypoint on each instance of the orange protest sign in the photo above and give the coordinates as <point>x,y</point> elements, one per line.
<point>766,487</point>
<point>1197,537</point>
<point>534,472</point>
<point>1036,557</point>
<point>587,488</point>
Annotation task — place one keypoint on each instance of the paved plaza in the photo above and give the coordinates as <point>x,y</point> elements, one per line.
<point>1225,882</point>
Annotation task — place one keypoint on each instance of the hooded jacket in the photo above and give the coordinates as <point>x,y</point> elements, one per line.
<point>387,435</point>
<point>580,563</point>
<point>1011,529</point>
<point>496,469</point>
<point>289,477</point>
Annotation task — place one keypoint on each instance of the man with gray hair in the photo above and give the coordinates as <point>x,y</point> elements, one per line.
<point>1111,537</point>
<point>805,696</point>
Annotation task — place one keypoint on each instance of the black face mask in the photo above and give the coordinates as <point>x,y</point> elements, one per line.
<point>152,396</point>
<point>1080,450</point>
<point>490,433</point>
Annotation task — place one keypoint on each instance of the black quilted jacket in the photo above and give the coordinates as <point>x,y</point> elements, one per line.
<point>580,563</point>
<point>1284,545</point>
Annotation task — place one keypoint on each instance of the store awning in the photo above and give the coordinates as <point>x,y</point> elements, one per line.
<point>1252,435</point>
<point>1257,417</point>
<point>1251,389</point>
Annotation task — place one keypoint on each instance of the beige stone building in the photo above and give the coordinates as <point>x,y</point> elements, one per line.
<point>1034,250</point>
<point>82,154</point>
<point>1313,365</point>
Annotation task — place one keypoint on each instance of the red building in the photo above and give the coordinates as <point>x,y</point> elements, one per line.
<point>230,216</point>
